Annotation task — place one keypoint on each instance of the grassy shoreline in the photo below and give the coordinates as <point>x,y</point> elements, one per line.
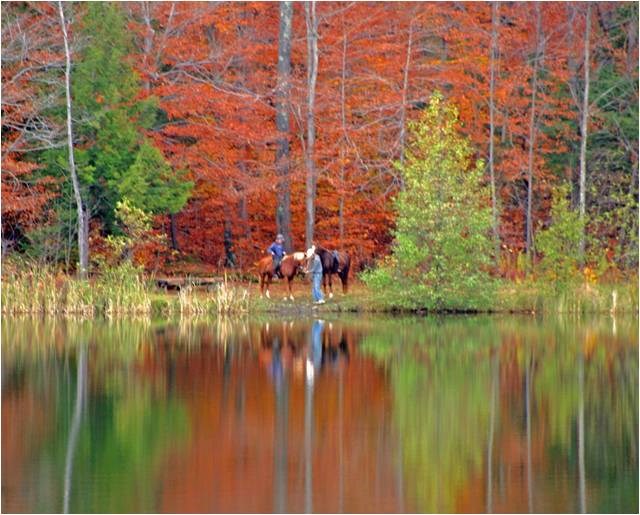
<point>123,292</point>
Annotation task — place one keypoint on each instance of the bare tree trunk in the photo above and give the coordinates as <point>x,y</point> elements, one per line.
<point>244,222</point>
<point>583,131</point>
<point>148,42</point>
<point>173,227</point>
<point>227,238</point>
<point>405,87</point>
<point>83,225</point>
<point>283,212</point>
<point>492,87</point>
<point>343,141</point>
<point>532,136</point>
<point>312,74</point>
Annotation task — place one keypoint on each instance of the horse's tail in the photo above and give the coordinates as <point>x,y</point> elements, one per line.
<point>344,273</point>
<point>254,269</point>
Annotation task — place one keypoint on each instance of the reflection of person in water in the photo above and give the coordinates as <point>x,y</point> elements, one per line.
<point>314,357</point>
<point>277,367</point>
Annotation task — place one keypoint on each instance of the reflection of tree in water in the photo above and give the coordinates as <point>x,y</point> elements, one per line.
<point>586,384</point>
<point>486,414</point>
<point>441,393</point>
<point>113,422</point>
<point>572,387</point>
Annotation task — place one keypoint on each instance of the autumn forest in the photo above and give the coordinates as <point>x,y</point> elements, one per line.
<point>225,123</point>
<point>466,173</point>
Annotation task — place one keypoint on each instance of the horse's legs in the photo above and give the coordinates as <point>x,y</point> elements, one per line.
<point>345,284</point>
<point>330,286</point>
<point>344,277</point>
<point>289,281</point>
<point>261,280</point>
<point>267,283</point>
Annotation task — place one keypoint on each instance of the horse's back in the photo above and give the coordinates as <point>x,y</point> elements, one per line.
<point>290,263</point>
<point>264,264</point>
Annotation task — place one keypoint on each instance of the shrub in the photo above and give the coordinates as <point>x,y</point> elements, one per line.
<point>441,253</point>
<point>560,242</point>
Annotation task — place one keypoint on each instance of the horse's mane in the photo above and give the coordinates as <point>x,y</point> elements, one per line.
<point>322,250</point>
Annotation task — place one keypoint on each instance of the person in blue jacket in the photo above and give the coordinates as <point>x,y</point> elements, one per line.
<point>314,267</point>
<point>277,253</point>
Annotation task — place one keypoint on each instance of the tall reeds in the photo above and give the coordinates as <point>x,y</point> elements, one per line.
<point>223,299</point>
<point>40,290</point>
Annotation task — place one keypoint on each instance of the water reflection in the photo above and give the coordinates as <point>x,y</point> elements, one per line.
<point>339,415</point>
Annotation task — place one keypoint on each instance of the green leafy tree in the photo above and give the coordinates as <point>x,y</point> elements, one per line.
<point>153,184</point>
<point>442,250</point>
<point>114,157</point>
<point>559,243</point>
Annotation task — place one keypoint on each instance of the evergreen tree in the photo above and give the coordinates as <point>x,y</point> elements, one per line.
<point>115,159</point>
<point>442,248</point>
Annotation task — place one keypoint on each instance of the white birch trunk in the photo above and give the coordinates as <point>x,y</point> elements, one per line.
<point>532,137</point>
<point>492,85</point>
<point>312,74</point>
<point>583,132</point>
<point>83,228</point>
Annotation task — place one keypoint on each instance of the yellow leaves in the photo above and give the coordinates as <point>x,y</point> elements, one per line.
<point>590,275</point>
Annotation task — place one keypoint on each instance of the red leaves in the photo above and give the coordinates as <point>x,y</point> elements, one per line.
<point>213,68</point>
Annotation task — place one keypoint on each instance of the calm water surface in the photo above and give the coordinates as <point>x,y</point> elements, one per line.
<point>341,415</point>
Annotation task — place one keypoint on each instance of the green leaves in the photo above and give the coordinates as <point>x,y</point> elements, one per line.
<point>559,243</point>
<point>442,251</point>
<point>152,184</point>
<point>116,160</point>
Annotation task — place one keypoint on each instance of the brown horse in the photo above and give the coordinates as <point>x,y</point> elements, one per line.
<point>289,267</point>
<point>333,262</point>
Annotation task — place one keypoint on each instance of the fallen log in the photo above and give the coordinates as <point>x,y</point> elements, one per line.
<point>177,283</point>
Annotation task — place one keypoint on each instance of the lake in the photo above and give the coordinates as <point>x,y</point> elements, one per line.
<point>345,414</point>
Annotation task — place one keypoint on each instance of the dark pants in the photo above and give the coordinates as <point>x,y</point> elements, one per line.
<point>276,265</point>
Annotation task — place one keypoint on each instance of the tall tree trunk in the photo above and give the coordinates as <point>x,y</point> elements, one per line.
<point>244,222</point>
<point>405,87</point>
<point>532,136</point>
<point>148,43</point>
<point>312,74</point>
<point>83,222</point>
<point>283,212</point>
<point>173,228</point>
<point>583,131</point>
<point>227,236</point>
<point>492,86</point>
<point>343,140</point>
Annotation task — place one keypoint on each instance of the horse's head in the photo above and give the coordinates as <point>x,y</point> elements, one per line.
<point>325,256</point>
<point>299,261</point>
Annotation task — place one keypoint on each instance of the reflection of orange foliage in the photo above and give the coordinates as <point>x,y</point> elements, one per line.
<point>24,426</point>
<point>230,463</point>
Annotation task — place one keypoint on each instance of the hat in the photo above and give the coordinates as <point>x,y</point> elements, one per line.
<point>279,237</point>
<point>311,251</point>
